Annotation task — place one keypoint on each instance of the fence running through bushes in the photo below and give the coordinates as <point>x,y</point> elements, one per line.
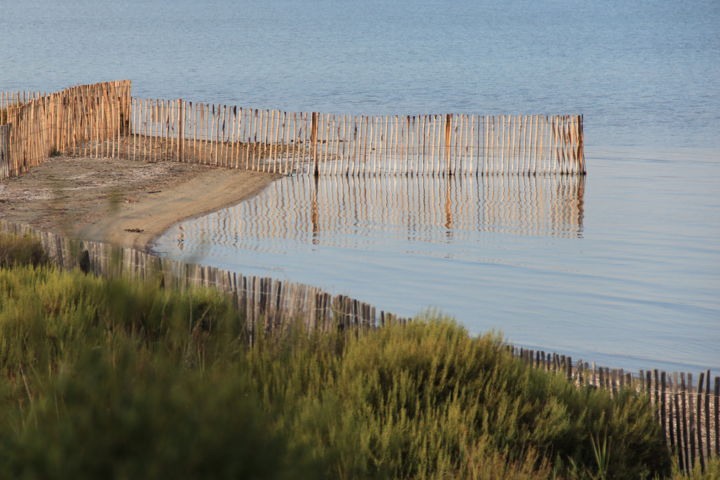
<point>264,301</point>
<point>688,412</point>
<point>103,120</point>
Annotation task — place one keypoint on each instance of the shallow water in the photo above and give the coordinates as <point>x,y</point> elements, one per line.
<point>623,269</point>
<point>618,268</point>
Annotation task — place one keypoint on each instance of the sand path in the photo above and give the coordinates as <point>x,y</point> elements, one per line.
<point>121,201</point>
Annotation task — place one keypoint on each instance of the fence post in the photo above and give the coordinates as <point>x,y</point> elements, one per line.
<point>126,108</point>
<point>581,145</point>
<point>717,415</point>
<point>448,133</point>
<point>708,443</point>
<point>698,420</point>
<point>313,142</point>
<point>181,130</point>
<point>5,150</point>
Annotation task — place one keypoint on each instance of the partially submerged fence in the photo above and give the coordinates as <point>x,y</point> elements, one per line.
<point>688,412</point>
<point>334,144</point>
<point>101,120</point>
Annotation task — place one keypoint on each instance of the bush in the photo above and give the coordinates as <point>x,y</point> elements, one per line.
<point>425,400</point>
<point>47,316</point>
<point>18,250</point>
<point>127,416</point>
<point>114,378</point>
<point>710,472</point>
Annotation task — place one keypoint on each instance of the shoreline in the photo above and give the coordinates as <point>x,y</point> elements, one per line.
<point>123,202</point>
<point>140,224</point>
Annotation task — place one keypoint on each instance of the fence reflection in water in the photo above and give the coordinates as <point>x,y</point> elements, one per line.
<point>325,210</point>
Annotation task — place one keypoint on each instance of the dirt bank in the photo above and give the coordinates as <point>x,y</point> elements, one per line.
<point>121,201</point>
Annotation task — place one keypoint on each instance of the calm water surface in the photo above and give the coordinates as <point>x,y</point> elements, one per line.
<point>615,268</point>
<point>622,268</point>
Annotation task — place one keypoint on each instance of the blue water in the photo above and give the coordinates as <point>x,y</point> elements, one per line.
<point>633,281</point>
<point>643,73</point>
<point>587,267</point>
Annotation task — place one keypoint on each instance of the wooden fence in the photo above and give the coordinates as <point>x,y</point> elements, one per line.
<point>332,144</point>
<point>688,412</point>
<point>64,121</point>
<point>8,99</point>
<point>264,301</point>
<point>4,151</point>
<point>101,120</point>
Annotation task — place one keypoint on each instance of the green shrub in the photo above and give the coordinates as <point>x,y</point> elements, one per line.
<point>47,316</point>
<point>18,250</point>
<point>125,415</point>
<point>122,379</point>
<point>425,400</point>
<point>710,472</point>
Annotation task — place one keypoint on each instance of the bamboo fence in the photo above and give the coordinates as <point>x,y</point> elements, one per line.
<point>4,151</point>
<point>332,144</point>
<point>8,99</point>
<point>63,122</point>
<point>688,411</point>
<point>102,120</point>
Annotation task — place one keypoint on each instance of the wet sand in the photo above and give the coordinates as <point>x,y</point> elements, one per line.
<point>124,202</point>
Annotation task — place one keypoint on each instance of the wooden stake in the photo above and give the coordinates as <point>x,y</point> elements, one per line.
<point>313,143</point>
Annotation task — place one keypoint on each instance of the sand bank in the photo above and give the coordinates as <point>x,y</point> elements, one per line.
<point>120,201</point>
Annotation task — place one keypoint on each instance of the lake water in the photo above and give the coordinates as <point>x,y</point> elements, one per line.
<point>622,268</point>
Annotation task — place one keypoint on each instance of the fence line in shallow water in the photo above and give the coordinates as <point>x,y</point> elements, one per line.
<point>688,412</point>
<point>336,144</point>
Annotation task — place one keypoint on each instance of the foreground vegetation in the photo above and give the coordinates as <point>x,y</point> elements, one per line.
<point>119,379</point>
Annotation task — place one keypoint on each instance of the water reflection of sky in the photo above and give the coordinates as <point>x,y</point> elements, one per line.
<point>622,268</point>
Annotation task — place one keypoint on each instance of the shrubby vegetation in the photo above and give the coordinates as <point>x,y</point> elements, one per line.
<point>119,379</point>
<point>20,250</point>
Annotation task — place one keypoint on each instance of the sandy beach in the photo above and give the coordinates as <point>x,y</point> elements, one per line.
<point>121,201</point>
